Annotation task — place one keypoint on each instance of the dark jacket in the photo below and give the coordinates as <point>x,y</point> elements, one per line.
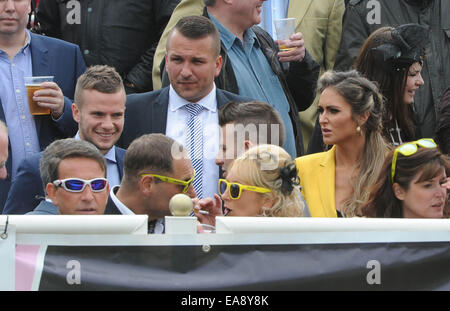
<point>120,33</point>
<point>443,122</point>
<point>360,20</point>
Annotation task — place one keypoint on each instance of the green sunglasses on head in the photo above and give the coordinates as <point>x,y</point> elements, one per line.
<point>408,149</point>
<point>184,183</point>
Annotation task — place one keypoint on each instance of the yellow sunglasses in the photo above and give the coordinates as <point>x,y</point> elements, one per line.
<point>408,149</point>
<point>185,183</point>
<point>235,189</point>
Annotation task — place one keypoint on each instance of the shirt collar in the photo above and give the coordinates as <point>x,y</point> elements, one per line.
<point>228,38</point>
<point>109,156</point>
<point>26,47</point>
<point>120,206</point>
<point>208,102</point>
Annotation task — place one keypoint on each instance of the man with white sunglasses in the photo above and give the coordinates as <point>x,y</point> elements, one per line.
<point>74,174</point>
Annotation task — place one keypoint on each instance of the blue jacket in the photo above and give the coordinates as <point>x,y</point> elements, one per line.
<point>63,60</point>
<point>27,189</point>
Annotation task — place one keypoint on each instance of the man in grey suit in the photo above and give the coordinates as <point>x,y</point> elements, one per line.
<point>192,62</point>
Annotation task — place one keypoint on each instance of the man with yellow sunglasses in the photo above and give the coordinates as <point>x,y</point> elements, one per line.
<point>156,168</point>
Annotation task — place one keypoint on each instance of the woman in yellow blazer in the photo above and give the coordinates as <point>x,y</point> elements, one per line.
<point>335,183</point>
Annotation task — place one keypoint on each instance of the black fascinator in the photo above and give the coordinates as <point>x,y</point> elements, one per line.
<point>289,178</point>
<point>407,47</point>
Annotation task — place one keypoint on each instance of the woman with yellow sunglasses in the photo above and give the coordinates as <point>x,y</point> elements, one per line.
<point>261,182</point>
<point>413,183</point>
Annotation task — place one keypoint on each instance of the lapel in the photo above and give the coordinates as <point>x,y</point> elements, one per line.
<point>297,9</point>
<point>2,113</point>
<point>111,208</point>
<point>120,153</point>
<point>40,66</point>
<point>326,183</point>
<point>39,57</point>
<point>158,112</point>
<point>220,98</point>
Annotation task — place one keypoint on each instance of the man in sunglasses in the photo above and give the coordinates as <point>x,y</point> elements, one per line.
<point>3,149</point>
<point>74,174</point>
<point>156,168</point>
<point>99,110</point>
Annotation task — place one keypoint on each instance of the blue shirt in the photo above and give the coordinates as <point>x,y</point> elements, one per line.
<point>112,170</point>
<point>273,9</point>
<point>22,128</point>
<point>255,77</point>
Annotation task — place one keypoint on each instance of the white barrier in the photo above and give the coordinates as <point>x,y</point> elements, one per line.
<point>297,225</point>
<point>64,244</point>
<point>78,224</point>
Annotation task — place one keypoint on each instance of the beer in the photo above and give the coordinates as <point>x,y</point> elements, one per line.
<point>284,28</point>
<point>283,48</point>
<point>35,109</point>
<point>33,84</point>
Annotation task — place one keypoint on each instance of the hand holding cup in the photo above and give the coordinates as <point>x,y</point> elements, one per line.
<point>291,44</point>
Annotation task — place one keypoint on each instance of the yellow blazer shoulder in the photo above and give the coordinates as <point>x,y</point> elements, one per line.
<point>317,174</point>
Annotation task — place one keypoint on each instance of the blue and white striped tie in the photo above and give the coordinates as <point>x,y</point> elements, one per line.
<point>195,145</point>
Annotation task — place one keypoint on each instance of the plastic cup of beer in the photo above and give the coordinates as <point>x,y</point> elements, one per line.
<point>33,84</point>
<point>284,28</point>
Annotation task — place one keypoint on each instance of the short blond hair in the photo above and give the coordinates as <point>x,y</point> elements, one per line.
<point>270,166</point>
<point>102,78</point>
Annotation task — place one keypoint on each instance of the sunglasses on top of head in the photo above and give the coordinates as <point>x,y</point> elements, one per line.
<point>408,149</point>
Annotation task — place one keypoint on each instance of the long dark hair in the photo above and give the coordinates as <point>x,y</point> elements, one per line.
<point>382,202</point>
<point>391,81</point>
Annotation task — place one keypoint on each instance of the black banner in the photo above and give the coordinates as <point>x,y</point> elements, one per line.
<point>356,266</point>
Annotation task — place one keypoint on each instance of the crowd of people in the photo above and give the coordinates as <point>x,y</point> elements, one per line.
<point>149,100</point>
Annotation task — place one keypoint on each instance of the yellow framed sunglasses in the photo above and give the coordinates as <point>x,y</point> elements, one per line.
<point>185,183</point>
<point>235,189</point>
<point>408,149</point>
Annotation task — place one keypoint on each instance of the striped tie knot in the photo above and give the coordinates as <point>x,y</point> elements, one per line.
<point>193,109</point>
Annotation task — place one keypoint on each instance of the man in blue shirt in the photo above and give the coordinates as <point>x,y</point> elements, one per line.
<point>254,67</point>
<point>3,149</point>
<point>99,110</point>
<point>25,54</point>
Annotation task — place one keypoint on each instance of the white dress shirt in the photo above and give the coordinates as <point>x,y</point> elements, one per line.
<point>124,210</point>
<point>177,128</point>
